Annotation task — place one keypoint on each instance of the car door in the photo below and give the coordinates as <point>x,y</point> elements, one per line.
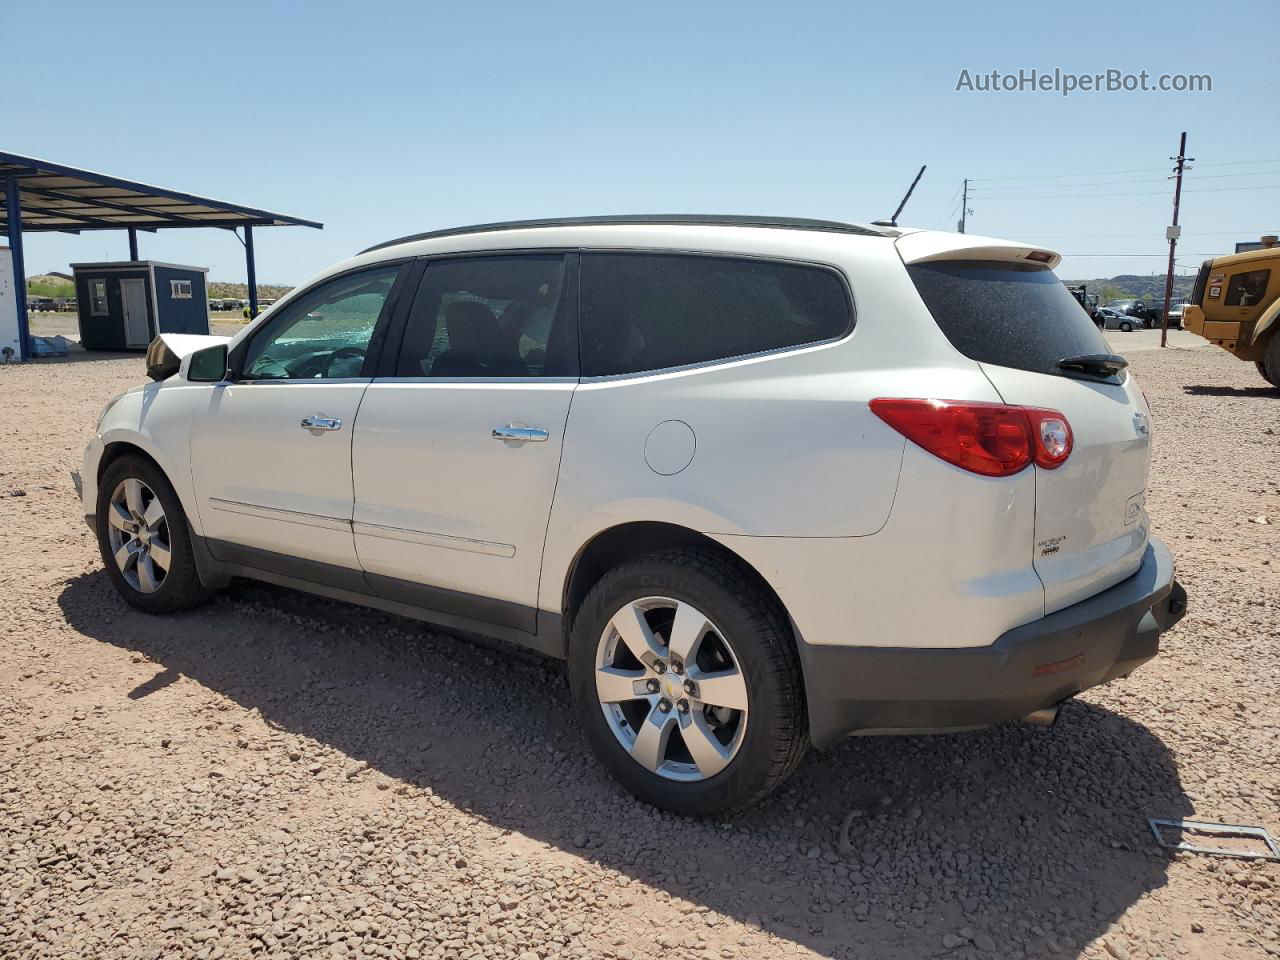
<point>271,453</point>
<point>457,446</point>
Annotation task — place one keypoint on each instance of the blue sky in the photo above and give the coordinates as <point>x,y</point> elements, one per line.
<point>382,119</point>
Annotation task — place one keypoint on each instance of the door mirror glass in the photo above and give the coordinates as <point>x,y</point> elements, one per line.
<point>208,365</point>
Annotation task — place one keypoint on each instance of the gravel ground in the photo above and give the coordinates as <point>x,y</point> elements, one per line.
<point>278,776</point>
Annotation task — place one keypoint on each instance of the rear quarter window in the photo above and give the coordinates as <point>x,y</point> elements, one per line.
<point>642,312</point>
<point>1008,314</point>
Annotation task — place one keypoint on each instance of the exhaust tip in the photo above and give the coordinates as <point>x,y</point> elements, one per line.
<point>1044,717</point>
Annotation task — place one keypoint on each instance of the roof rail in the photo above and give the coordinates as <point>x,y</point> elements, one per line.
<point>674,219</point>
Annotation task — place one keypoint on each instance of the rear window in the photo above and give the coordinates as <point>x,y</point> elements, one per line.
<point>643,311</point>
<point>1009,314</point>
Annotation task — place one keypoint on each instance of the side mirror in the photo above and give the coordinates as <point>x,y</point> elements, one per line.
<point>162,362</point>
<point>208,365</point>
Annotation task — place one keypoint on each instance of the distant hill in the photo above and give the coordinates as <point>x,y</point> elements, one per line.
<point>56,285</point>
<point>1131,286</point>
<point>60,286</point>
<point>240,291</point>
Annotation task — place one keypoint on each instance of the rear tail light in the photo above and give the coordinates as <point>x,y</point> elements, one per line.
<point>1051,437</point>
<point>991,439</point>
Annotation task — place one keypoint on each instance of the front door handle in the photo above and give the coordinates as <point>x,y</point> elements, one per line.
<point>520,434</point>
<point>321,423</point>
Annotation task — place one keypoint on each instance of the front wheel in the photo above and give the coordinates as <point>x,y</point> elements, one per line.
<point>144,539</point>
<point>1126,327</point>
<point>686,681</point>
<point>1269,365</point>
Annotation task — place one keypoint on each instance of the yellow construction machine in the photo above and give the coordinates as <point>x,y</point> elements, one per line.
<point>1236,305</point>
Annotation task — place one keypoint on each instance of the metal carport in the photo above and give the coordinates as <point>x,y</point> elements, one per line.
<point>40,196</point>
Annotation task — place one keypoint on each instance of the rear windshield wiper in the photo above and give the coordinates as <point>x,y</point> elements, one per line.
<point>1094,364</point>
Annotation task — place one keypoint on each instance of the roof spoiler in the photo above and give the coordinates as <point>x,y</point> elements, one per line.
<point>930,245</point>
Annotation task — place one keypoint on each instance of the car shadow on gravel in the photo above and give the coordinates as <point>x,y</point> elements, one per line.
<point>1220,391</point>
<point>1010,842</point>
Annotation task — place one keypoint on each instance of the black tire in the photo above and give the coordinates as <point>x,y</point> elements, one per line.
<point>1126,326</point>
<point>180,588</point>
<point>1269,365</point>
<point>776,735</point>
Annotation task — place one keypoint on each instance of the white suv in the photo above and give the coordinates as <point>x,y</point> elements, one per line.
<point>763,483</point>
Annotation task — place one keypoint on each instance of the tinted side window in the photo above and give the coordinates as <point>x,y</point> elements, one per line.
<point>651,311</point>
<point>1009,314</point>
<point>324,333</point>
<point>503,316</point>
<point>1247,289</point>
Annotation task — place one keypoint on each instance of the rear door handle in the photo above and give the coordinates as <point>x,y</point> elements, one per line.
<point>321,423</point>
<point>520,434</point>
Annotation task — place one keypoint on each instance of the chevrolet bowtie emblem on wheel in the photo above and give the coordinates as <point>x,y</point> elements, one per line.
<point>1140,425</point>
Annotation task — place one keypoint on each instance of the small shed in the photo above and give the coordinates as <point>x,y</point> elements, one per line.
<point>125,304</point>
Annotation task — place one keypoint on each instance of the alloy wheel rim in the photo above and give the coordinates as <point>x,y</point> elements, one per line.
<point>671,689</point>
<point>138,532</point>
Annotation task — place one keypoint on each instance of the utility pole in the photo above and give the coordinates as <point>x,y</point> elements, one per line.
<point>1180,163</point>
<point>964,204</point>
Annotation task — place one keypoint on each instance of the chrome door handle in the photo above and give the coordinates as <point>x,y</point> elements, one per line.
<point>520,434</point>
<point>321,423</point>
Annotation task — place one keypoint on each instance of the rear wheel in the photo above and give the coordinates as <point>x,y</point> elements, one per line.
<point>144,539</point>
<point>686,681</point>
<point>1269,365</point>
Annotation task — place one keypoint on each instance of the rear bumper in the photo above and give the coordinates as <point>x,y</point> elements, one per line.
<point>912,689</point>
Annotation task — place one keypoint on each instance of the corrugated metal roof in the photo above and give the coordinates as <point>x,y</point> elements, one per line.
<point>57,197</point>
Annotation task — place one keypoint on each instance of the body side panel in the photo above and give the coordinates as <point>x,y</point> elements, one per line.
<point>156,418</point>
<point>960,539</point>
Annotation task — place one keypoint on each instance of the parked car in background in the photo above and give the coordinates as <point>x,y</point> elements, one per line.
<point>656,447</point>
<point>1111,319</point>
<point>1120,306</point>
<point>1148,311</point>
<point>1086,299</point>
<point>1175,315</point>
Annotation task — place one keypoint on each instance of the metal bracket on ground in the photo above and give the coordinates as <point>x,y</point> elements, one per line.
<point>1218,830</point>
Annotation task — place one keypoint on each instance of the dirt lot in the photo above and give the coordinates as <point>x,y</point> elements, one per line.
<point>276,776</point>
<point>222,324</point>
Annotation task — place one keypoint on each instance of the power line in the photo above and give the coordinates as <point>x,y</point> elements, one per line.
<point>1108,173</point>
<point>951,213</point>
<point>1127,255</point>
<point>1107,183</point>
<point>1060,176</point>
<point>983,191</point>
<point>1155,193</point>
<point>1237,163</point>
<point>950,206</point>
<point>1093,236</point>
